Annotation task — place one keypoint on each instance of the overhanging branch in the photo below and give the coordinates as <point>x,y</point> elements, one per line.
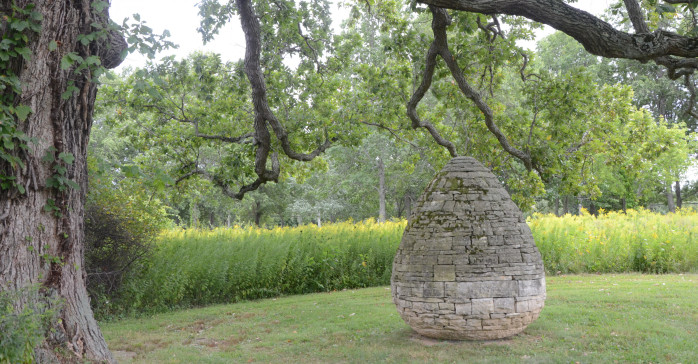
<point>597,37</point>
<point>263,114</point>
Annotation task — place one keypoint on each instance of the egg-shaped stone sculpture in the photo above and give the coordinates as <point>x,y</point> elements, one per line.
<point>467,267</point>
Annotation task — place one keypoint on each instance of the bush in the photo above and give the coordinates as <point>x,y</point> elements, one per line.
<point>23,330</point>
<point>120,229</point>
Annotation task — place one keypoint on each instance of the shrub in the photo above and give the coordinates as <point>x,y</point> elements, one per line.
<point>22,330</point>
<point>120,228</point>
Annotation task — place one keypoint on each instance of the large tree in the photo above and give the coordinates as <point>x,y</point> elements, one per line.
<point>51,51</point>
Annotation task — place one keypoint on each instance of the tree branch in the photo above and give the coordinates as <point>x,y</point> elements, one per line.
<point>597,37</point>
<point>263,114</point>
<point>394,133</point>
<point>440,46</point>
<point>690,105</point>
<point>636,16</point>
<point>419,94</point>
<point>680,1</point>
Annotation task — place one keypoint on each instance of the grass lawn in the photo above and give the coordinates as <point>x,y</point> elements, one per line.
<point>627,318</point>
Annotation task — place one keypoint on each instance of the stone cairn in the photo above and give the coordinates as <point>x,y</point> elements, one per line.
<point>467,267</point>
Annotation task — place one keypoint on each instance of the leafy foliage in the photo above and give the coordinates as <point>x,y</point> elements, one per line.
<point>121,224</point>
<point>18,26</point>
<point>23,330</point>
<point>589,135</point>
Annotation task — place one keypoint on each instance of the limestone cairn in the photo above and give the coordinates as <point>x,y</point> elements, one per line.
<point>467,267</point>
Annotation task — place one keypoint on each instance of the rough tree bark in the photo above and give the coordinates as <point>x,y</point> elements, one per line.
<point>31,229</point>
<point>670,198</point>
<point>381,190</point>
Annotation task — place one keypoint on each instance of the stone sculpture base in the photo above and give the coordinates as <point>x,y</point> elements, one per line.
<point>467,267</point>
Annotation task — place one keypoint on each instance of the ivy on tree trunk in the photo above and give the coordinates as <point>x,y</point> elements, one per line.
<point>41,229</point>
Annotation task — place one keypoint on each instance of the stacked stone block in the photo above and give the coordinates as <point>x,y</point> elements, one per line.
<point>467,267</point>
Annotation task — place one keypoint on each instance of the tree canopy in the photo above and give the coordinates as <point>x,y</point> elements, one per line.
<point>558,122</point>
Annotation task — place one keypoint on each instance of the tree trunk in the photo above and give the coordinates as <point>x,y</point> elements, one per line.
<point>193,214</point>
<point>408,207</point>
<point>625,204</point>
<point>592,209</point>
<point>670,198</point>
<point>557,206</point>
<point>257,212</point>
<point>47,219</point>
<point>566,204</point>
<point>381,190</point>
<point>319,220</point>
<point>677,189</point>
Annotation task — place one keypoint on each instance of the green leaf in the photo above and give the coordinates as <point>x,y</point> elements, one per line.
<point>22,111</point>
<point>75,57</point>
<point>19,25</point>
<point>131,171</point>
<point>93,60</point>
<point>72,184</point>
<point>84,40</point>
<point>48,157</point>
<point>66,62</point>
<point>66,157</point>
<point>665,8</point>
<point>52,46</point>
<point>25,52</point>
<point>69,92</point>
<point>100,5</point>
<point>60,169</point>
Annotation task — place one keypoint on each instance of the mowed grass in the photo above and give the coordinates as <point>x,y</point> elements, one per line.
<point>625,318</point>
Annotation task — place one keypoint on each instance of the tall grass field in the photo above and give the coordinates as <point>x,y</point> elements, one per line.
<point>200,267</point>
<point>638,241</point>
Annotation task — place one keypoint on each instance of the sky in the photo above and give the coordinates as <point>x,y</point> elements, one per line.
<point>181,18</point>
